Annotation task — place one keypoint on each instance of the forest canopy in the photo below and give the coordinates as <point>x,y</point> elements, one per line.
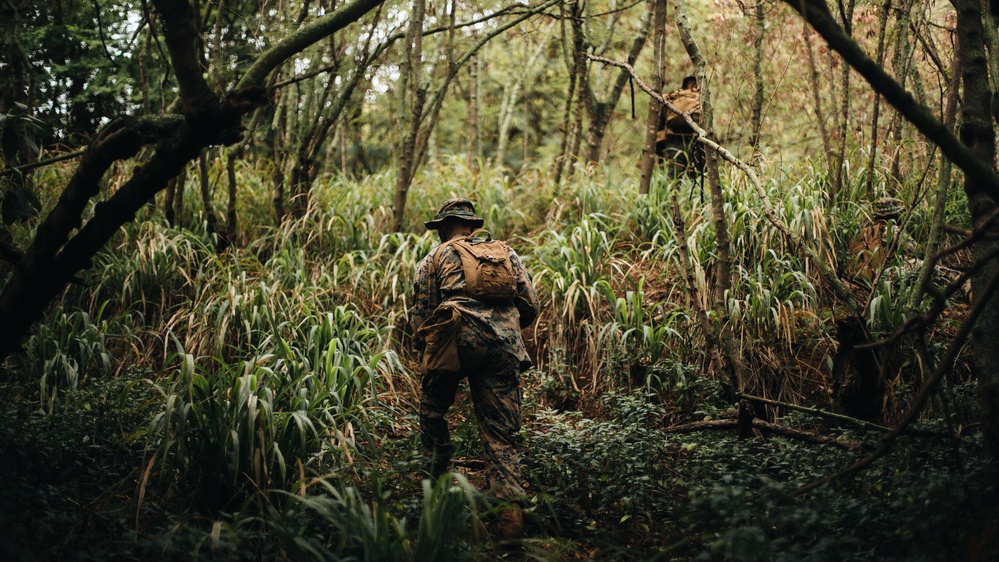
<point>772,339</point>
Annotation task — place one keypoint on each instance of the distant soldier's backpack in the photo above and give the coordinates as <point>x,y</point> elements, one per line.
<point>687,101</point>
<point>488,272</point>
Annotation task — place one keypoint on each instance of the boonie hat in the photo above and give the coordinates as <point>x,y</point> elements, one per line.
<point>887,206</point>
<point>455,208</point>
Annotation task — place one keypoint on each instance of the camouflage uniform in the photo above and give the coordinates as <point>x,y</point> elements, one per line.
<point>676,144</point>
<point>868,250</point>
<point>492,355</point>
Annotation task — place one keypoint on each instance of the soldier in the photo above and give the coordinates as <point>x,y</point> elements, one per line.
<point>869,248</point>
<point>676,141</point>
<point>489,352</point>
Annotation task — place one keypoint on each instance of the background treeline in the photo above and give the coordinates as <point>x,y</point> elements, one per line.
<point>212,215</point>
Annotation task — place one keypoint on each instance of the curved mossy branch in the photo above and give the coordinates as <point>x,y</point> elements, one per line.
<point>303,38</point>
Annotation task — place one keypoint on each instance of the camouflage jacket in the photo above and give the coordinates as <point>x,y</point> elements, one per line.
<point>483,325</point>
<point>867,251</point>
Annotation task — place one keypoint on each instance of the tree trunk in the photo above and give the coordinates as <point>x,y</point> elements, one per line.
<point>813,79</point>
<point>649,156</point>
<point>178,199</point>
<point>414,96</point>
<point>978,133</point>
<point>873,146</point>
<point>579,46</point>
<point>601,110</point>
<point>900,65</point>
<point>17,149</point>
<point>756,120</point>
<point>943,189</point>
<point>473,142</point>
<point>846,15</point>
<point>206,193</point>
<point>723,276</point>
<point>572,65</point>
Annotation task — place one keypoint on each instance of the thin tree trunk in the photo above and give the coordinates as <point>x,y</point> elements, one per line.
<point>169,193</point>
<point>943,189</point>
<point>655,108</point>
<point>572,66</point>
<point>813,78</point>
<point>178,199</point>
<point>873,146</point>
<point>473,143</point>
<point>579,46</point>
<point>900,65</point>
<point>416,92</point>
<point>756,120</point>
<point>206,193</point>
<point>723,276</point>
<point>844,108</point>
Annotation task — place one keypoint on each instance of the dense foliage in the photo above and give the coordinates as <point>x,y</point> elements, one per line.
<point>242,384</point>
<point>260,402</point>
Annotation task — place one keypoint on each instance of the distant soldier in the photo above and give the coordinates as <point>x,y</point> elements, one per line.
<point>676,141</point>
<point>472,297</point>
<point>868,251</point>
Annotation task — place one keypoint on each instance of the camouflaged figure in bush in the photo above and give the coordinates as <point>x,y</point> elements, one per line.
<point>868,251</point>
<point>676,142</point>
<point>490,351</point>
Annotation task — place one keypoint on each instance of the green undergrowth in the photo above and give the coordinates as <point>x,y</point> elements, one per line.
<point>260,403</point>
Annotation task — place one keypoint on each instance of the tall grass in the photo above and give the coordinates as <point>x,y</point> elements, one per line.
<point>258,423</point>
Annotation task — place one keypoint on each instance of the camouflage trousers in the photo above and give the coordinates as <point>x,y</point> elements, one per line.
<point>494,381</point>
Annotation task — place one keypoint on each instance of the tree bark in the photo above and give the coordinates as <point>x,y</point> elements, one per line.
<point>978,133</point>
<point>813,78</point>
<point>756,119</point>
<point>900,65</point>
<point>473,142</point>
<point>206,194</point>
<point>846,15</point>
<point>414,96</point>
<point>723,265</point>
<point>572,64</point>
<point>601,110</point>
<point>649,156</point>
<point>873,145</point>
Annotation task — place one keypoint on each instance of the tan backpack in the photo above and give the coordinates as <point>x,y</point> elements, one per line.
<point>488,272</point>
<point>687,101</point>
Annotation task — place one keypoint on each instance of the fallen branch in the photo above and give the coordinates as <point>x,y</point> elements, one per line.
<point>763,425</point>
<point>846,419</point>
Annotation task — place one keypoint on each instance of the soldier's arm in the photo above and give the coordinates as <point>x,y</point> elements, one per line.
<point>426,294</point>
<point>527,299</point>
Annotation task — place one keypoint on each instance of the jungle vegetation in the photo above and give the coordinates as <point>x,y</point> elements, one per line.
<point>212,213</point>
